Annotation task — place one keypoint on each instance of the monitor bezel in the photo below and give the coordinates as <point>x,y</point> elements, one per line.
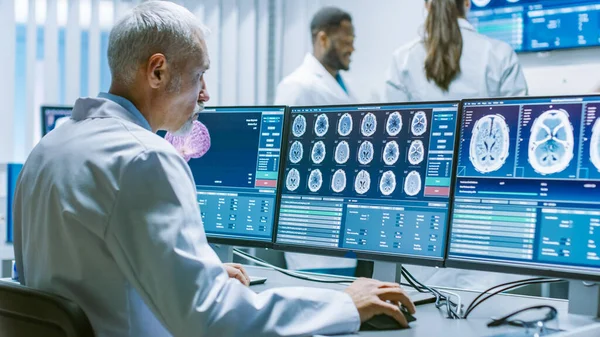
<point>231,241</point>
<point>45,108</point>
<point>511,267</point>
<point>361,254</point>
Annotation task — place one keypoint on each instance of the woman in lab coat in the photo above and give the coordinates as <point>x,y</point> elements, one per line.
<point>451,62</point>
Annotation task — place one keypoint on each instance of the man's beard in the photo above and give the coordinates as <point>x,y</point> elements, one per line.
<point>332,59</point>
<point>186,128</point>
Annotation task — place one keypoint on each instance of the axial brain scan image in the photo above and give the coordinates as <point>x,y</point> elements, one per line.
<point>342,152</point>
<point>193,145</point>
<point>292,180</point>
<point>551,142</point>
<point>321,125</point>
<point>416,152</point>
<point>345,125</point>
<point>490,142</point>
<point>365,152</point>
<point>362,182</point>
<point>387,185</point>
<point>412,183</point>
<point>296,152</point>
<point>419,124</point>
<point>595,145</point>
<point>315,180</point>
<point>391,153</point>
<point>338,182</point>
<point>318,152</point>
<point>299,126</point>
<point>393,126</point>
<point>368,125</point>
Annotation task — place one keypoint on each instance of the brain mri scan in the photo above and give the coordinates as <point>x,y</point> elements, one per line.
<point>416,152</point>
<point>368,125</point>
<point>292,181</point>
<point>338,182</point>
<point>194,144</point>
<point>299,126</point>
<point>418,125</point>
<point>387,184</point>
<point>321,125</point>
<point>345,125</point>
<point>296,152</point>
<point>391,153</point>
<point>490,142</point>
<point>318,152</point>
<point>342,152</point>
<point>595,145</point>
<point>393,126</point>
<point>551,142</point>
<point>412,183</point>
<point>362,182</point>
<point>365,152</point>
<point>315,180</point>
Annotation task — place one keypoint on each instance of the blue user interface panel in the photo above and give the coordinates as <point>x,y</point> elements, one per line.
<point>53,117</point>
<point>537,25</point>
<point>528,184</point>
<point>234,155</point>
<point>371,179</point>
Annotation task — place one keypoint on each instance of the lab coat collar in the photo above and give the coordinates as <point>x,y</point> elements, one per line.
<point>311,63</point>
<point>119,107</point>
<point>464,24</point>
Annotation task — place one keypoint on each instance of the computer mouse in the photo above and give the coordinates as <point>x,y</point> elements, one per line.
<point>385,322</point>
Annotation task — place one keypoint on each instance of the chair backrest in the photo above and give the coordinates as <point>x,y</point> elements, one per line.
<point>28,312</point>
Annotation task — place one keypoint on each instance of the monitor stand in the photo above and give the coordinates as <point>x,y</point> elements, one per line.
<point>224,252</point>
<point>584,298</point>
<point>387,271</point>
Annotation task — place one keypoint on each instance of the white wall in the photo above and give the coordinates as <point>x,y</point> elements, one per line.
<point>382,26</point>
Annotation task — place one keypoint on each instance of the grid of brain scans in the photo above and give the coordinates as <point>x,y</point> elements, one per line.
<point>368,178</point>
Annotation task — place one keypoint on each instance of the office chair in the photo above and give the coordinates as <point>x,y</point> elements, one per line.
<point>26,312</point>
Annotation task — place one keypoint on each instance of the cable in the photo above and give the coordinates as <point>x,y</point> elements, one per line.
<point>452,309</point>
<point>520,323</point>
<point>297,275</point>
<point>498,286</point>
<point>474,305</point>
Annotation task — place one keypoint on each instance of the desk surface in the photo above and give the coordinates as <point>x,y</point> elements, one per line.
<point>432,322</point>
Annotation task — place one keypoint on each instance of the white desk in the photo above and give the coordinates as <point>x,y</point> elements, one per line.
<point>431,322</point>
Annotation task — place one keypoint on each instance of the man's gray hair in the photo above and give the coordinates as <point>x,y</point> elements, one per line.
<point>153,27</point>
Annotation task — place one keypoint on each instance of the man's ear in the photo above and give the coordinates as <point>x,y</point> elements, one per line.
<point>322,39</point>
<point>156,71</point>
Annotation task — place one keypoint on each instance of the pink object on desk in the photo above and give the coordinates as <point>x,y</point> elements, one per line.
<point>193,145</point>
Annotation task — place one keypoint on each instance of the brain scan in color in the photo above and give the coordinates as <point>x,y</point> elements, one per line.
<point>490,142</point>
<point>318,152</point>
<point>342,152</point>
<point>321,125</point>
<point>418,125</point>
<point>292,181</point>
<point>299,126</point>
<point>368,125</point>
<point>387,184</point>
<point>362,182</point>
<point>551,142</point>
<point>416,152</point>
<point>365,152</point>
<point>338,182</point>
<point>345,125</point>
<point>412,183</point>
<point>391,153</point>
<point>296,152</point>
<point>315,180</point>
<point>393,126</point>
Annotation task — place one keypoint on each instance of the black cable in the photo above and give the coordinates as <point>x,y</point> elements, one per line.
<point>441,299</point>
<point>501,285</point>
<point>505,320</point>
<point>508,288</point>
<point>287,272</point>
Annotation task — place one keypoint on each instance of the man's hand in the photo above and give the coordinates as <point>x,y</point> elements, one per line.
<point>373,297</point>
<point>236,271</point>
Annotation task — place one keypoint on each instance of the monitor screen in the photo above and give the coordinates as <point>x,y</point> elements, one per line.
<point>537,25</point>
<point>234,155</point>
<point>54,116</point>
<point>527,191</point>
<point>370,180</point>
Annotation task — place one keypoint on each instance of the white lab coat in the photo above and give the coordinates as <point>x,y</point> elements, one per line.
<point>489,68</point>
<point>312,84</point>
<point>106,215</point>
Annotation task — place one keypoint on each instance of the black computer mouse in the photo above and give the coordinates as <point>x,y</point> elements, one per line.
<point>385,322</point>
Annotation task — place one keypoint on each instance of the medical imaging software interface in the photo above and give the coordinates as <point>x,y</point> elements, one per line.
<point>53,117</point>
<point>235,167</point>
<point>369,178</point>
<point>528,184</point>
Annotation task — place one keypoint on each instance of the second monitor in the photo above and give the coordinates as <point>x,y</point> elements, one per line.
<point>370,181</point>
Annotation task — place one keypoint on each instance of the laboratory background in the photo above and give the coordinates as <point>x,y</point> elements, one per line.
<point>55,51</point>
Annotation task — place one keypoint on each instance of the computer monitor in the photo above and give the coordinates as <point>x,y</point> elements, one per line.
<point>527,192</point>
<point>234,154</point>
<point>368,181</point>
<point>54,116</point>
